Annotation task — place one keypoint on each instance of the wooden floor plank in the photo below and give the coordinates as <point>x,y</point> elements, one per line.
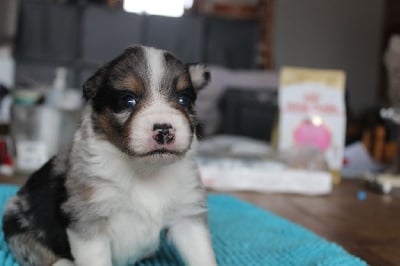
<point>369,229</point>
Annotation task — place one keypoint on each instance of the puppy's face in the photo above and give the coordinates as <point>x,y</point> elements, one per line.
<point>143,102</point>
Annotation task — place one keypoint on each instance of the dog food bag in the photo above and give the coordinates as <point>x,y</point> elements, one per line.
<point>313,114</point>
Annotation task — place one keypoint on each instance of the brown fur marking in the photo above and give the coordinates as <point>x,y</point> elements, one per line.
<point>182,83</point>
<point>130,82</point>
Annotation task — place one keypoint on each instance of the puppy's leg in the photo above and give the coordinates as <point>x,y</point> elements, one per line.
<point>192,239</point>
<point>29,252</point>
<point>63,262</point>
<point>94,250</point>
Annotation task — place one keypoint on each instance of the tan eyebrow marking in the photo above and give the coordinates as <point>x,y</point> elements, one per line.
<point>131,83</point>
<point>182,83</point>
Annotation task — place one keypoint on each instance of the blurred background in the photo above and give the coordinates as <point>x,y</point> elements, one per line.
<point>50,47</point>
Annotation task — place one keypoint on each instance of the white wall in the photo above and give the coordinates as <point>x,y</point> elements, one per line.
<point>344,34</point>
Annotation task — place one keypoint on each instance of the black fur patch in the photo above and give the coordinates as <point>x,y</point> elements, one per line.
<point>44,193</point>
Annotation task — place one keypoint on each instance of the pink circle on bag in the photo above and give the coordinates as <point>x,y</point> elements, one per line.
<point>309,134</point>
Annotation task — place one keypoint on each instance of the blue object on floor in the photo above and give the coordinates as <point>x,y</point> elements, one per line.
<point>242,235</point>
<point>361,195</point>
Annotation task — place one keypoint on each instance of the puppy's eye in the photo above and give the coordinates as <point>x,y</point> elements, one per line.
<point>128,101</point>
<point>184,100</point>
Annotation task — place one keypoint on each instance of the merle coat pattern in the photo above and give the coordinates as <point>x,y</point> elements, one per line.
<point>128,175</point>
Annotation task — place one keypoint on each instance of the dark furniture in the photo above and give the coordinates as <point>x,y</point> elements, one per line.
<point>251,113</point>
<point>82,37</point>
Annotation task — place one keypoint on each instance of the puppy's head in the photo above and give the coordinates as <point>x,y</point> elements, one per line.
<point>143,102</point>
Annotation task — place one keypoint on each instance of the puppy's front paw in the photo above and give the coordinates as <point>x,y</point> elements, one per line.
<point>63,262</point>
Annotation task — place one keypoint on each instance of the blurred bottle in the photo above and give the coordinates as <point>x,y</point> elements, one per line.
<point>40,129</point>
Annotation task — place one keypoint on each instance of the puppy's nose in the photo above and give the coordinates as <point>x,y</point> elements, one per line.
<point>163,133</point>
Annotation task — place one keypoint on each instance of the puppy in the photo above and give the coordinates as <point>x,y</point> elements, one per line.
<point>128,175</point>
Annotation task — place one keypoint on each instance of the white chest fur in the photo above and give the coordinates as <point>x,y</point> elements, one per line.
<point>139,207</point>
<point>132,237</point>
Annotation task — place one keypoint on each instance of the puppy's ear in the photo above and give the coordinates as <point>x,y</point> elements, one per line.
<point>200,75</point>
<point>91,86</point>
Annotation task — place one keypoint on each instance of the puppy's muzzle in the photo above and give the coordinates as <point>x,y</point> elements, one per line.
<point>163,134</point>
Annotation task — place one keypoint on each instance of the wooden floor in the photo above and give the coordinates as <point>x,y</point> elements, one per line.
<point>369,229</point>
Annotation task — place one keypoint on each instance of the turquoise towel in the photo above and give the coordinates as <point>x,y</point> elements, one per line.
<point>242,235</point>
